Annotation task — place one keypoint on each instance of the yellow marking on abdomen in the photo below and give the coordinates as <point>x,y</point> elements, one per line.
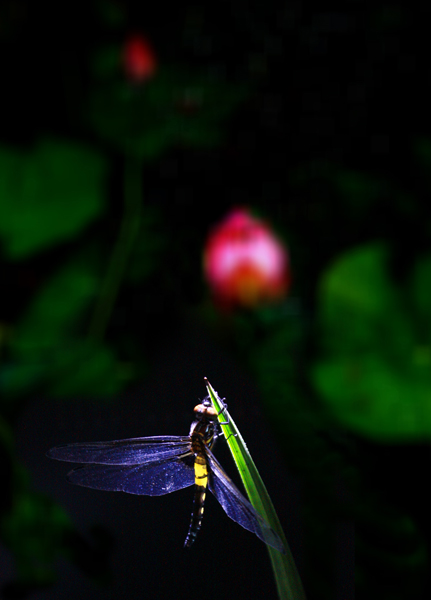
<point>201,472</point>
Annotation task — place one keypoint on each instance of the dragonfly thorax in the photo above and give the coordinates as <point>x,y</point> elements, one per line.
<point>203,428</point>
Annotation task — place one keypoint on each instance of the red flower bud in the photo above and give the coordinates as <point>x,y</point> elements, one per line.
<point>244,262</point>
<point>139,60</point>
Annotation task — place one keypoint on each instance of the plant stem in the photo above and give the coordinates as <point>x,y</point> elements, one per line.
<point>129,229</point>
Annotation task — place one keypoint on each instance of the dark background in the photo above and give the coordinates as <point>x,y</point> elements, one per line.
<point>316,117</point>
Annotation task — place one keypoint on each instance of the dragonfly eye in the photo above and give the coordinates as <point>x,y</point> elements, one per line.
<point>202,411</point>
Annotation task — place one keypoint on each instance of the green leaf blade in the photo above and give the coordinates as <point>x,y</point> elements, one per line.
<point>287,579</point>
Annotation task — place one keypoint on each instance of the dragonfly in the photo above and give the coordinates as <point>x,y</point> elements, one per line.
<point>154,466</point>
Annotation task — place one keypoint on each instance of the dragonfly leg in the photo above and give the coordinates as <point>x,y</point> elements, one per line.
<point>220,412</point>
<point>225,422</point>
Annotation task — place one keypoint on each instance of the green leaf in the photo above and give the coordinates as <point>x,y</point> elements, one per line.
<point>84,368</point>
<point>47,195</point>
<point>75,367</point>
<point>421,291</point>
<point>50,350</point>
<point>34,530</point>
<point>56,311</point>
<point>287,579</point>
<point>373,373</point>
<point>18,379</point>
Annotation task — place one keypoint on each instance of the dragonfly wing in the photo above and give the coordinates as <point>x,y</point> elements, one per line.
<point>153,479</point>
<point>237,507</point>
<point>133,451</point>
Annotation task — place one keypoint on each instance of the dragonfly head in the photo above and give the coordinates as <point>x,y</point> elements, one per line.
<point>205,410</point>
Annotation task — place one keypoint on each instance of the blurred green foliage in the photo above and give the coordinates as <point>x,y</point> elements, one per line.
<point>49,349</point>
<point>34,531</point>
<point>48,194</point>
<point>374,370</point>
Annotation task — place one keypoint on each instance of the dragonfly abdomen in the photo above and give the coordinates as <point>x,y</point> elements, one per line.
<point>201,482</point>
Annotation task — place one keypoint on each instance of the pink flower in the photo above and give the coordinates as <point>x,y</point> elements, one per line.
<point>244,262</point>
<point>139,60</point>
